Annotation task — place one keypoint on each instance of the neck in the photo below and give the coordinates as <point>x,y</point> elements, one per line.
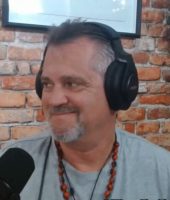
<point>88,156</point>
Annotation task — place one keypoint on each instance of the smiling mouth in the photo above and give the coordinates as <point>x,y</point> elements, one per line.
<point>62,113</point>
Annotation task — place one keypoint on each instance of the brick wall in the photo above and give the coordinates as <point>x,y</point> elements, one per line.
<point>20,56</point>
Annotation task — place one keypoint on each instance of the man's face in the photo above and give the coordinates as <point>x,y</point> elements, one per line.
<point>73,96</point>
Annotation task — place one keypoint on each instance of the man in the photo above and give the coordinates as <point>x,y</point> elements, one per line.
<point>85,78</point>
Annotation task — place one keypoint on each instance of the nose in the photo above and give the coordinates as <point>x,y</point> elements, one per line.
<point>56,97</point>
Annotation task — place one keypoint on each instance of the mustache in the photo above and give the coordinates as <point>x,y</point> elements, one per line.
<point>61,110</point>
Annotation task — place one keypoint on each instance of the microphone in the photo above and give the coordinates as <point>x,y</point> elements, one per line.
<point>16,167</point>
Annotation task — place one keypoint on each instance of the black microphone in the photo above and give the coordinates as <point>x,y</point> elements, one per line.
<point>16,167</point>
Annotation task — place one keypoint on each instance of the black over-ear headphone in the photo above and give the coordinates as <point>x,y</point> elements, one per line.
<point>121,80</point>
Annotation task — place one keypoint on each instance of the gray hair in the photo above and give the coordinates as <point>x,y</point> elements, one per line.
<point>104,56</point>
<point>70,30</point>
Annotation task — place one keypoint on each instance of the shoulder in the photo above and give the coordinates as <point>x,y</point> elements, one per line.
<point>29,144</point>
<point>139,147</point>
<point>144,166</point>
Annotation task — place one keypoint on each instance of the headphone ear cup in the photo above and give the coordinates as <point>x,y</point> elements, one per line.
<point>121,85</point>
<point>38,85</point>
<point>113,78</point>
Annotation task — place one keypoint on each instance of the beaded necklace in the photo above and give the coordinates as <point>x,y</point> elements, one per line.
<point>68,191</point>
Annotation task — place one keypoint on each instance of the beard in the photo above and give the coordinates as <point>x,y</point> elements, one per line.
<point>65,134</point>
<point>68,135</point>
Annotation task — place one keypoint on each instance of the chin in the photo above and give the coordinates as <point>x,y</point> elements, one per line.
<point>69,135</point>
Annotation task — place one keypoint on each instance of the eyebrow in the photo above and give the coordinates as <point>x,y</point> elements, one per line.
<point>45,78</point>
<point>67,78</point>
<point>73,78</point>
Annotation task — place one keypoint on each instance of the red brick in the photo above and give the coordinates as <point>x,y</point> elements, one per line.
<point>158,113</point>
<point>35,68</point>
<point>23,68</point>
<point>167,60</point>
<point>158,59</point>
<point>127,43</point>
<point>130,127</point>
<point>31,37</point>
<point>159,139</point>
<point>33,99</point>
<point>18,132</point>
<point>166,75</point>
<point>160,3</point>
<point>7,35</point>
<point>166,32</point>
<point>131,114</point>
<point>145,3</point>
<point>4,133</point>
<point>7,68</point>
<point>166,128</point>
<point>3,52</point>
<point>19,53</point>
<point>152,16</point>
<point>163,44</point>
<point>149,73</point>
<point>11,99</point>
<point>16,115</point>
<point>155,99</point>
<point>144,29</point>
<point>18,82</point>
<point>40,117</point>
<point>155,30</point>
<point>159,88</point>
<point>147,128</point>
<point>145,44</point>
<point>141,57</point>
<point>167,89</point>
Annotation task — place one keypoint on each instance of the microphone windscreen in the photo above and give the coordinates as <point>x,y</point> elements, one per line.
<point>16,167</point>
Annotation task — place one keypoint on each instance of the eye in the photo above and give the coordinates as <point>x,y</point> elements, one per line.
<point>71,84</point>
<point>47,85</point>
<point>74,83</point>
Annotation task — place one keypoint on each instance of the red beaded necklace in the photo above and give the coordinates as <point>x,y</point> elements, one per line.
<point>61,171</point>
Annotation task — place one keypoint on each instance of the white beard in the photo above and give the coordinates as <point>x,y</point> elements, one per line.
<point>70,135</point>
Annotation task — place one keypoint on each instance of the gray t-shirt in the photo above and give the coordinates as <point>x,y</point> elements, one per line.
<point>143,171</point>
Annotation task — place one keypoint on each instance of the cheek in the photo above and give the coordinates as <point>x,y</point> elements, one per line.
<point>98,100</point>
<point>94,105</point>
<point>98,107</point>
<point>45,106</point>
